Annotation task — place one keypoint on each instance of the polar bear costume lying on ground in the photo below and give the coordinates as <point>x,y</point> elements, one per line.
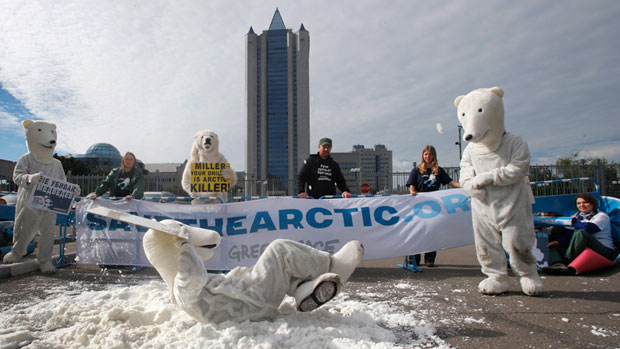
<point>205,149</point>
<point>494,170</point>
<point>41,141</point>
<point>286,267</point>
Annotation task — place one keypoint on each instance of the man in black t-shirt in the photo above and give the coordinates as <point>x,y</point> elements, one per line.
<point>321,174</point>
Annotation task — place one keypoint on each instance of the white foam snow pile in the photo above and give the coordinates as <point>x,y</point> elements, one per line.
<point>121,316</point>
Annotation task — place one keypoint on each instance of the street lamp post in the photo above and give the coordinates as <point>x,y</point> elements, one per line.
<point>459,142</point>
<point>356,170</point>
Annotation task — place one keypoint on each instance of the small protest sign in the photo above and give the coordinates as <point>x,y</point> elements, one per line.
<point>540,250</point>
<point>54,195</point>
<point>207,177</point>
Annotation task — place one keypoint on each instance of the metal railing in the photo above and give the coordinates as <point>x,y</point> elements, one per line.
<point>606,175</point>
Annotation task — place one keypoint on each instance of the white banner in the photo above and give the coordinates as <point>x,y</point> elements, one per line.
<point>389,226</point>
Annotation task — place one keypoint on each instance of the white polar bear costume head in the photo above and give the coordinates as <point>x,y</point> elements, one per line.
<point>206,146</point>
<point>41,140</point>
<point>481,112</point>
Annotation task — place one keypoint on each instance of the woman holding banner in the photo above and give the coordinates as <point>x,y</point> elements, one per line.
<point>126,181</point>
<point>427,177</point>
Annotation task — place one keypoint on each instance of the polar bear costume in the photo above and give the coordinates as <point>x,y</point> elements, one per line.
<point>494,170</point>
<point>41,141</point>
<point>313,277</point>
<point>206,149</point>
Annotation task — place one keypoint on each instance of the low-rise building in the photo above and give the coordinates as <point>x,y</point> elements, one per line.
<point>371,167</point>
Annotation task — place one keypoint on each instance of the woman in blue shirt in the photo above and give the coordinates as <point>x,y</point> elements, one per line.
<point>426,177</point>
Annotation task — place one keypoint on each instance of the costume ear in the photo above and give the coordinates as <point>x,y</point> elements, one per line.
<point>54,126</point>
<point>27,123</point>
<point>458,100</point>
<point>498,91</point>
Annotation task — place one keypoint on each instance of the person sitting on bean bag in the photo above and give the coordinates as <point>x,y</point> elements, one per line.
<point>592,229</point>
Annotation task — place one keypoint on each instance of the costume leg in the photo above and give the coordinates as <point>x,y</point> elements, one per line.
<point>518,241</point>
<point>26,226</point>
<point>285,264</point>
<point>491,256</point>
<point>47,228</point>
<point>312,294</point>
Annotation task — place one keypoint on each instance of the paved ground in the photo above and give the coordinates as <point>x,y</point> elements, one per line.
<point>574,312</point>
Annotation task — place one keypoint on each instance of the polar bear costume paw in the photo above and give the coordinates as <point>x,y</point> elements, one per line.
<point>47,267</point>
<point>491,286</point>
<point>531,285</point>
<point>312,294</point>
<point>347,259</point>
<point>10,258</point>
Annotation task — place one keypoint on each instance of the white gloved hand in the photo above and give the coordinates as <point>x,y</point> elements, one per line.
<point>482,180</point>
<point>479,194</point>
<point>35,178</point>
<point>228,173</point>
<point>77,190</point>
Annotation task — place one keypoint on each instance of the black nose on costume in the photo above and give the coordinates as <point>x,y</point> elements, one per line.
<point>52,142</point>
<point>468,137</point>
<point>208,141</point>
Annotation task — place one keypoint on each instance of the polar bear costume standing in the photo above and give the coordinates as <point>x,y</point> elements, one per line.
<point>206,149</point>
<point>494,170</point>
<point>313,277</point>
<point>41,141</point>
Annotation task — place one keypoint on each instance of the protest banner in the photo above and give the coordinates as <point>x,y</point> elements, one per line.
<point>54,195</point>
<point>207,177</point>
<point>389,226</point>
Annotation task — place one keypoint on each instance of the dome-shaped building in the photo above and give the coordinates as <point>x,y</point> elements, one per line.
<point>103,155</point>
<point>103,149</point>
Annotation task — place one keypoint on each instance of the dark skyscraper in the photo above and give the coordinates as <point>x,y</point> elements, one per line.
<point>277,102</point>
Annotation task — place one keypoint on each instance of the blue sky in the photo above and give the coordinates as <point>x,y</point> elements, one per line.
<point>146,76</point>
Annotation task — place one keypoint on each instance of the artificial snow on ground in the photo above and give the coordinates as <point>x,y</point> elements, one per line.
<point>72,315</point>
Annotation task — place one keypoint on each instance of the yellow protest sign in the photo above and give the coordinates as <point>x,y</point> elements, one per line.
<point>207,177</point>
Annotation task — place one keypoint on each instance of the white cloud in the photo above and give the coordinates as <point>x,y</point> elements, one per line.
<point>10,122</point>
<point>145,76</point>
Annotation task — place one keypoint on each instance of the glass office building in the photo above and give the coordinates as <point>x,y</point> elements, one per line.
<point>277,101</point>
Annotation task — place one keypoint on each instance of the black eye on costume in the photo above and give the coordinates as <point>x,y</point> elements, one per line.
<point>480,110</point>
<point>463,114</point>
<point>39,130</point>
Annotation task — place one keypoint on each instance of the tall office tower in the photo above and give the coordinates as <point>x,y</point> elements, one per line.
<point>278,108</point>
